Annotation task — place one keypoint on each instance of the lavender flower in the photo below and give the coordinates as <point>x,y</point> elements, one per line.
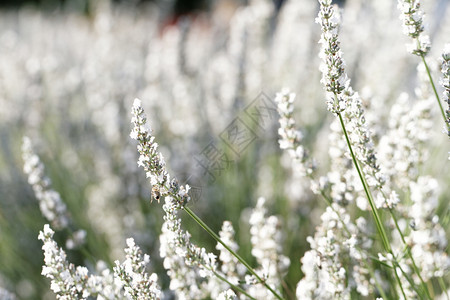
<point>412,21</point>
<point>186,263</point>
<point>150,159</point>
<point>153,161</point>
<point>334,77</point>
<point>230,265</point>
<point>445,82</point>
<point>325,275</point>
<point>266,239</point>
<point>129,280</point>
<point>427,238</point>
<point>401,150</point>
<point>335,240</point>
<point>136,282</point>
<point>68,281</point>
<point>50,202</point>
<point>290,138</point>
<point>341,99</point>
<point>227,295</point>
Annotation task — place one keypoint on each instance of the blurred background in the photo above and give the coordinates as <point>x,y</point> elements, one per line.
<point>69,71</point>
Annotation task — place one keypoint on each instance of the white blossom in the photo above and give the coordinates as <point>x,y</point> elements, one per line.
<point>412,20</point>
<point>128,281</point>
<point>445,82</point>
<point>290,138</point>
<point>266,238</point>
<point>136,282</point>
<point>50,202</point>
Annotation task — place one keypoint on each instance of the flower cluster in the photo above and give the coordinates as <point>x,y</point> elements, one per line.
<point>68,281</point>
<point>325,275</point>
<point>334,77</point>
<point>266,239</point>
<point>186,263</point>
<point>401,150</point>
<point>412,19</point>
<point>341,177</point>
<point>349,104</point>
<point>52,206</point>
<point>335,240</point>
<point>445,82</point>
<point>427,237</point>
<point>153,161</point>
<point>230,265</point>
<point>136,282</point>
<point>290,138</point>
<point>50,202</point>
<point>128,281</point>
<point>227,295</point>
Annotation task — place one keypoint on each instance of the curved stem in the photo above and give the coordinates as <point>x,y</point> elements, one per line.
<point>435,90</point>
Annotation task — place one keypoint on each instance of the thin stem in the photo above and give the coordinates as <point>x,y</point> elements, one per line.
<point>408,251</point>
<point>378,222</point>
<point>399,281</point>
<point>239,258</point>
<point>380,228</point>
<point>410,281</point>
<point>443,287</point>
<point>233,286</point>
<point>434,90</point>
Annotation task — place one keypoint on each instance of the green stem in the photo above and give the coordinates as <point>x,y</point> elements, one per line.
<point>233,286</point>
<point>399,281</point>
<point>434,90</point>
<point>377,218</point>
<point>408,251</point>
<point>239,258</point>
<point>443,287</point>
<point>410,281</point>
<point>380,228</point>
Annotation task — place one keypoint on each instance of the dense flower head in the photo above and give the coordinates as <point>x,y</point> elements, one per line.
<point>50,202</point>
<point>334,77</point>
<point>325,277</point>
<point>187,265</point>
<point>427,237</point>
<point>445,82</point>
<point>266,239</point>
<point>153,161</point>
<point>128,281</point>
<point>68,281</point>
<point>136,282</point>
<point>412,20</point>
<point>227,295</point>
<point>291,138</point>
<point>230,265</point>
<point>401,149</point>
<point>150,159</point>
